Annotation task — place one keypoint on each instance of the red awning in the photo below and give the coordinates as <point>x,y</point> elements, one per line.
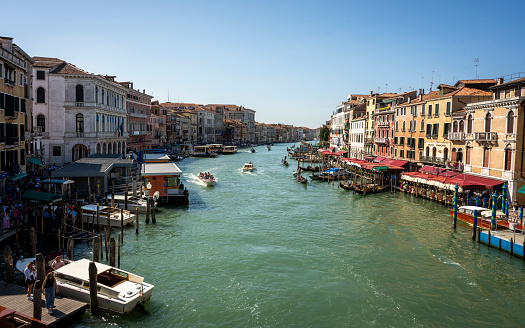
<point>395,162</point>
<point>378,159</point>
<point>482,181</point>
<point>448,174</point>
<point>339,153</point>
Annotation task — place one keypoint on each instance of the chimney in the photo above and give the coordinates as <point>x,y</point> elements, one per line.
<point>131,85</point>
<point>371,93</point>
<point>500,80</point>
<point>143,90</point>
<point>408,100</point>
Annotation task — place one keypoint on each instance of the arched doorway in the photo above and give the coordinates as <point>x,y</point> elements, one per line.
<point>79,151</point>
<point>98,149</point>
<point>445,154</point>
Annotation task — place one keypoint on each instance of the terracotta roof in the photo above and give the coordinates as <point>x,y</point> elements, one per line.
<point>480,81</point>
<point>469,92</point>
<point>58,66</point>
<point>510,82</point>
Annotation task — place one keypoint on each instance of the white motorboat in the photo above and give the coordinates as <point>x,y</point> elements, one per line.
<point>49,259</point>
<point>133,202</point>
<point>248,167</point>
<point>89,215</point>
<point>118,290</point>
<point>207,179</point>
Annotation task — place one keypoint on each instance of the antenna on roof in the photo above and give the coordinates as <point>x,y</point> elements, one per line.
<point>476,61</point>
<point>432,82</point>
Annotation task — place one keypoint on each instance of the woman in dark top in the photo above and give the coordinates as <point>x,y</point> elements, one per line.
<point>49,288</point>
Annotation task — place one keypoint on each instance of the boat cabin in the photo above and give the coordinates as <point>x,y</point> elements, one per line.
<point>229,150</point>
<point>164,179</point>
<point>201,151</point>
<point>156,158</point>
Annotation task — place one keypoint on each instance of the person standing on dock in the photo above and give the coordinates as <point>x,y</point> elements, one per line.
<point>49,290</point>
<point>29,273</point>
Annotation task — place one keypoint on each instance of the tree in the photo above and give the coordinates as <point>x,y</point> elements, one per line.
<point>324,134</point>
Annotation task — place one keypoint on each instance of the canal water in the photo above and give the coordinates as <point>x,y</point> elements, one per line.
<point>261,250</point>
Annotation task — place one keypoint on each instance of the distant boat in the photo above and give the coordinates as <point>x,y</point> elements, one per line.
<point>252,150</point>
<point>299,178</point>
<point>248,167</point>
<point>269,147</point>
<point>207,179</point>
<point>228,150</point>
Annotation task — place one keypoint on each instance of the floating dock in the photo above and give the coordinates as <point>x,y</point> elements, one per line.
<point>505,240</point>
<point>15,297</point>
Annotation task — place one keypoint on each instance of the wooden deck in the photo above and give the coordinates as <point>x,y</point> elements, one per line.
<point>15,298</point>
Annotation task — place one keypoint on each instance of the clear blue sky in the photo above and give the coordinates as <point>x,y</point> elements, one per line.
<point>291,61</point>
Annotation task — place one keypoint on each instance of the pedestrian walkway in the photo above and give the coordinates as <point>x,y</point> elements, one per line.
<point>14,297</point>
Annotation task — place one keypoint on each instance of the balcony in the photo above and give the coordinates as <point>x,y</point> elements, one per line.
<point>432,159</point>
<point>369,140</point>
<point>485,136</point>
<point>11,115</point>
<point>456,136</point>
<point>383,124</point>
<point>454,166</point>
<point>381,140</point>
<point>37,131</point>
<point>9,82</point>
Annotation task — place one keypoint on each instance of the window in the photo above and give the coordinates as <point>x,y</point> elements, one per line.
<point>467,155</point>
<point>403,126</point>
<point>397,126</point>
<point>510,122</point>
<point>423,110</point>
<point>40,75</point>
<point>173,182</point>
<point>1,70</point>
<point>508,160</point>
<point>485,157</point>
<point>436,110</point>
<point>469,124</point>
<point>488,120</point>
<point>21,79</point>
<point>80,123</point>
<point>57,151</point>
<point>421,143</point>
<point>422,125</point>
<point>14,77</point>
<point>446,129</point>
<point>402,140</point>
<point>79,92</point>
<point>447,112</point>
<point>395,140</point>
<point>429,130</point>
<point>40,95</point>
<point>435,130</point>
<point>41,121</point>
<point>402,153</point>
<point>429,110</point>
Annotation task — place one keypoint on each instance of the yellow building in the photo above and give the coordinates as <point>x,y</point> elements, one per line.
<point>371,104</point>
<point>16,107</point>
<point>438,122</point>
<point>494,137</point>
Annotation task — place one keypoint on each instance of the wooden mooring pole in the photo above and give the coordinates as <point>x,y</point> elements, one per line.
<point>70,245</point>
<point>137,221</point>
<point>96,251</point>
<point>112,251</point>
<point>93,300</point>
<point>37,300</point>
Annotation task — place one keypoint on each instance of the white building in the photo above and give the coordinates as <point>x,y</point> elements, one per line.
<point>338,124</point>
<point>357,138</point>
<point>77,112</point>
<point>206,126</point>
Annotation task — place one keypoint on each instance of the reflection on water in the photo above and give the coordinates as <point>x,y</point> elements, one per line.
<point>261,250</point>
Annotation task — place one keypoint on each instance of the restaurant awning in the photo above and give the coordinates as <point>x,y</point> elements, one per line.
<point>396,162</point>
<point>369,158</point>
<point>58,181</point>
<point>41,197</point>
<point>18,176</point>
<point>486,182</point>
<point>378,159</point>
<point>431,170</point>
<point>36,161</point>
<point>381,168</point>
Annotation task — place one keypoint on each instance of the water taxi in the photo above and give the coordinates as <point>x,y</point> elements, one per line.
<point>248,167</point>
<point>117,290</point>
<point>229,150</point>
<point>201,151</point>
<point>207,179</point>
<point>106,213</point>
<point>164,178</point>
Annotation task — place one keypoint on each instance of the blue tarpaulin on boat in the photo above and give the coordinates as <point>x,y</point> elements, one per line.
<point>332,170</point>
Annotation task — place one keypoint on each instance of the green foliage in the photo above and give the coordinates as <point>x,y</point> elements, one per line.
<point>324,134</point>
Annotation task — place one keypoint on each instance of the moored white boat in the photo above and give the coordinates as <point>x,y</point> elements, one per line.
<point>228,150</point>
<point>248,167</point>
<point>89,215</point>
<point>133,202</point>
<point>118,290</point>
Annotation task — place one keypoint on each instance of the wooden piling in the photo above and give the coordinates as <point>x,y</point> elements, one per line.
<point>70,245</point>
<point>112,252</point>
<point>106,241</point>
<point>8,261</point>
<point>40,263</point>
<point>32,240</point>
<point>96,251</point>
<point>119,254</point>
<point>511,246</point>
<point>101,246</point>
<point>137,221</point>
<point>59,241</point>
<point>122,225</point>
<point>98,217</point>
<point>147,209</point>
<point>37,300</point>
<point>126,197</point>
<point>93,300</point>
<point>153,216</point>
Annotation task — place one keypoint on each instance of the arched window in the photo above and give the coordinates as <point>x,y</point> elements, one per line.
<point>434,152</point>
<point>102,96</point>
<point>459,156</point>
<point>510,122</point>
<point>79,92</point>
<point>488,120</point>
<point>461,126</point>
<point>507,165</point>
<point>455,128</point>
<point>96,95</point>
<point>80,123</point>
<point>40,95</point>
<point>469,124</point>
<point>41,121</point>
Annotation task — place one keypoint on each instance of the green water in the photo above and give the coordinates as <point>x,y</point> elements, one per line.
<point>261,250</point>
